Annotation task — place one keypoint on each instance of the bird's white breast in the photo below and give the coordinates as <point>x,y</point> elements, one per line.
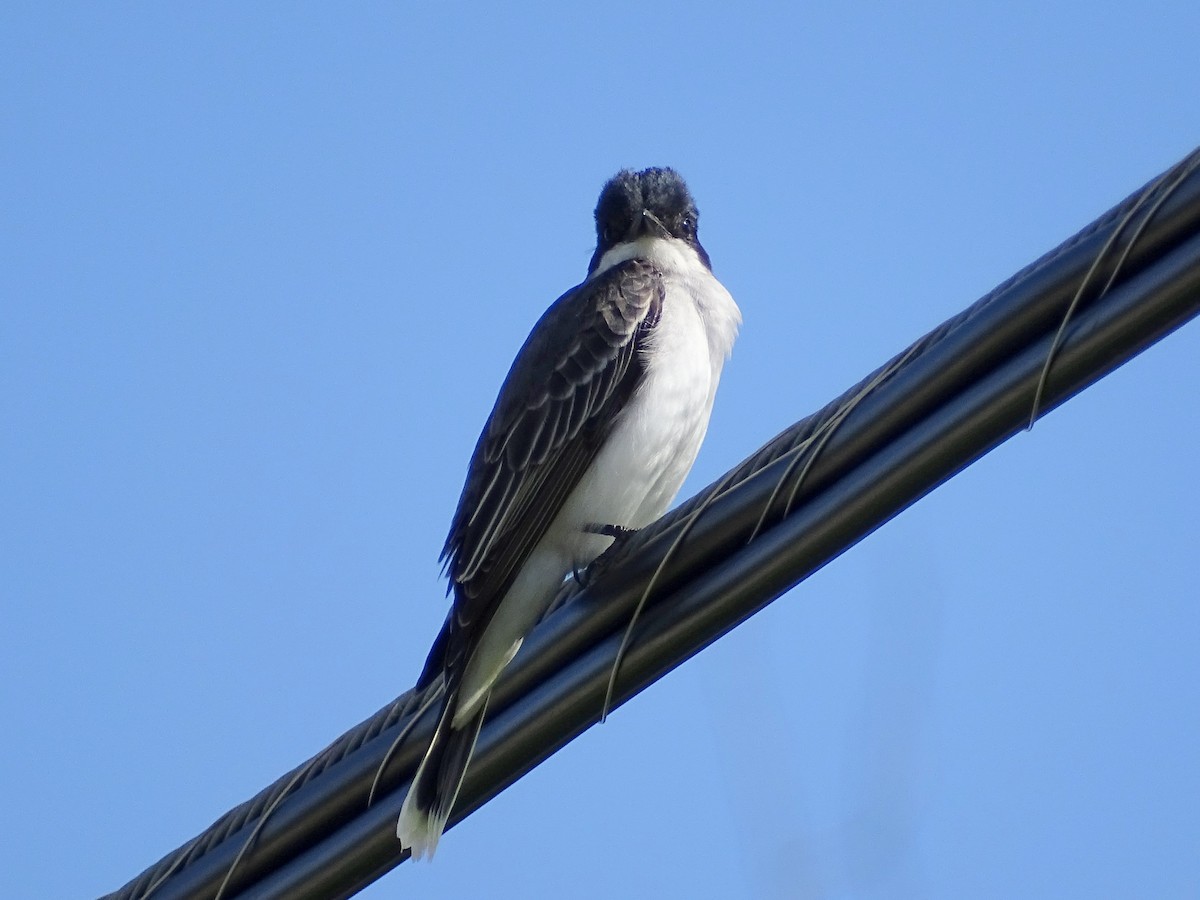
<point>644,462</point>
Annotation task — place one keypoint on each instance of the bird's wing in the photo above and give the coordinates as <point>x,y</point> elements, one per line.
<point>578,368</point>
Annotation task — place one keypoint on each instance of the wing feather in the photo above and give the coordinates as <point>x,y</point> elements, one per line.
<point>544,431</point>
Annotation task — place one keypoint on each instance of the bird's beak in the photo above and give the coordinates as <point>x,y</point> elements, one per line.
<point>648,225</point>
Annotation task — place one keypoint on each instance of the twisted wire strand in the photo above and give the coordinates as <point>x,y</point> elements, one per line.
<point>255,811</point>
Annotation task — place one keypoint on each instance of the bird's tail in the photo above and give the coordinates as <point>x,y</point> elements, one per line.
<point>439,776</point>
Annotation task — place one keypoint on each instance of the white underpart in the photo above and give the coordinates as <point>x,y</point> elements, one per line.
<point>641,467</point>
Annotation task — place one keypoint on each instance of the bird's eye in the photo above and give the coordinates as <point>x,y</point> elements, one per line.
<point>687,225</point>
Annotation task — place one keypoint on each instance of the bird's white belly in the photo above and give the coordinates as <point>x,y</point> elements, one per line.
<point>650,451</point>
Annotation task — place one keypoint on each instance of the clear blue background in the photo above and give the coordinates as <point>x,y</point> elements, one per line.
<point>262,269</point>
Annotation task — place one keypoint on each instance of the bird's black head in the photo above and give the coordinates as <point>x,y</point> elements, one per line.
<point>649,203</point>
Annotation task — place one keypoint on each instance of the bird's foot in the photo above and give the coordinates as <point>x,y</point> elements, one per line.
<point>619,533</point>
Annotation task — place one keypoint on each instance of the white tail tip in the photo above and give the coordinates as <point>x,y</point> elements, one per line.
<point>418,831</point>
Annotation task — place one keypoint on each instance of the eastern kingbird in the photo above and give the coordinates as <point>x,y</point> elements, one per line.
<point>595,428</point>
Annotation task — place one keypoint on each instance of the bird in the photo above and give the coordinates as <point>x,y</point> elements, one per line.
<point>596,425</point>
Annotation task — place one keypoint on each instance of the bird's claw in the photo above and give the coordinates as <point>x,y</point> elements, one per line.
<point>617,532</point>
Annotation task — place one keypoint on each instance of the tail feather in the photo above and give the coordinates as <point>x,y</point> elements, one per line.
<point>439,777</point>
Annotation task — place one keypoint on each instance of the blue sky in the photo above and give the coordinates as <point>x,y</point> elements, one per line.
<point>263,268</point>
